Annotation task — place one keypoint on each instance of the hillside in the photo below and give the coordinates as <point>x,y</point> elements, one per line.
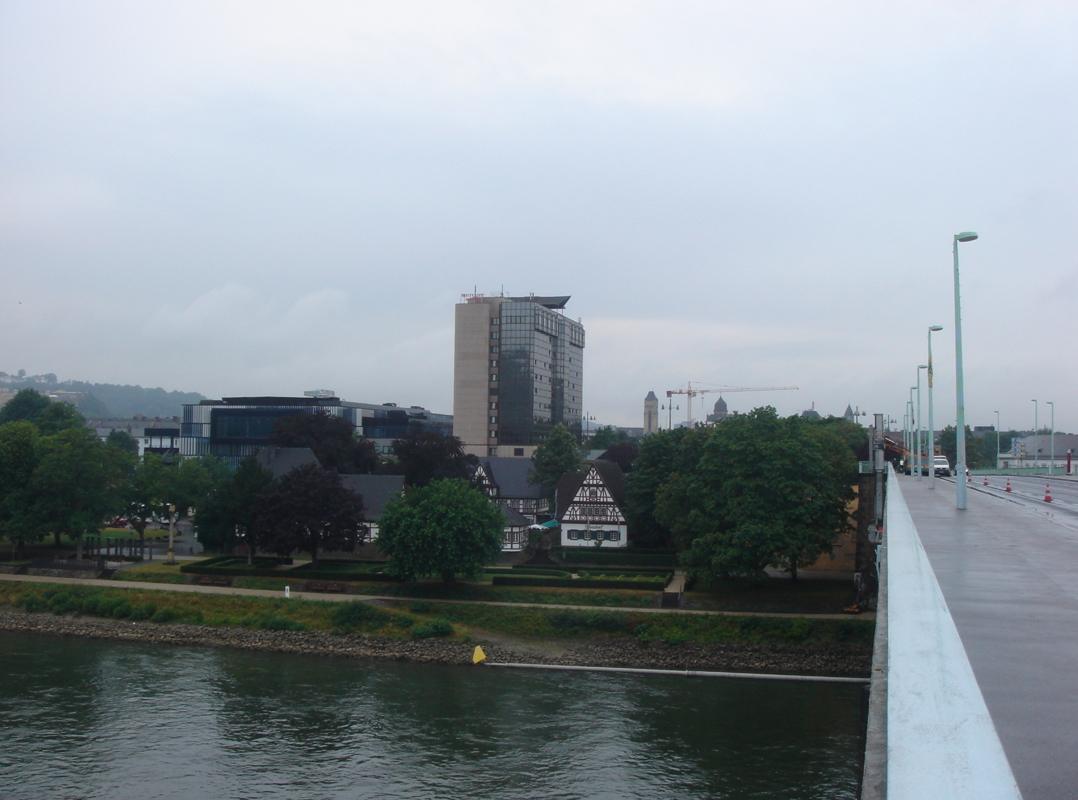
<point>101,400</point>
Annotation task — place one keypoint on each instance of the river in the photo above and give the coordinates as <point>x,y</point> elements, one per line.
<point>82,718</point>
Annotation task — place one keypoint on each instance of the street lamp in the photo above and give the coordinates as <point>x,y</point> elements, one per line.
<point>1052,438</point>
<point>931,420</point>
<point>996,465</point>
<point>920,419</point>
<point>914,422</point>
<point>171,533</point>
<point>906,435</point>
<point>960,396</point>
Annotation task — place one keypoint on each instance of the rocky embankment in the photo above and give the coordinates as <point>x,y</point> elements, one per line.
<point>850,661</point>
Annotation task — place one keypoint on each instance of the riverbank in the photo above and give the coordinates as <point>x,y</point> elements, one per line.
<point>850,660</point>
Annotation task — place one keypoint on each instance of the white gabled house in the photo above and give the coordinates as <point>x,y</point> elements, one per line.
<point>590,507</point>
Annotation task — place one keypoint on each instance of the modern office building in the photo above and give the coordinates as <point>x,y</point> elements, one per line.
<point>518,371</point>
<point>236,427</point>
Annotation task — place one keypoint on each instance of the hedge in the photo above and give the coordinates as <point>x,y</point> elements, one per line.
<point>624,557</point>
<point>261,569</point>
<point>646,584</point>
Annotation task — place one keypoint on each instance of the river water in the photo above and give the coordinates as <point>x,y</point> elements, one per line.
<point>81,718</point>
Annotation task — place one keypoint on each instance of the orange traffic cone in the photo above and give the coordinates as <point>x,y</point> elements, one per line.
<point>1047,493</point>
<point>1008,485</point>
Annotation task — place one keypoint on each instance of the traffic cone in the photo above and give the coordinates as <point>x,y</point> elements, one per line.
<point>1047,493</point>
<point>1008,485</point>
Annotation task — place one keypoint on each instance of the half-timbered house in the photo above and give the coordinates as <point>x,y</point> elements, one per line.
<point>506,481</point>
<point>590,506</point>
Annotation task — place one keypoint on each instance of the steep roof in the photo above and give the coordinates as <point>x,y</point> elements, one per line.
<point>279,461</point>
<point>514,519</point>
<point>376,491</point>
<point>570,482</point>
<point>510,475</point>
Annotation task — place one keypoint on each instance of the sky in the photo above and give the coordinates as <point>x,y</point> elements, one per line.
<point>245,198</point>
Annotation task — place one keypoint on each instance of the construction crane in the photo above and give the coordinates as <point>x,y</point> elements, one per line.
<point>690,392</point>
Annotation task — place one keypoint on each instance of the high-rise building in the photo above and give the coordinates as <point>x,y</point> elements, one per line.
<point>518,370</point>
<point>651,413</point>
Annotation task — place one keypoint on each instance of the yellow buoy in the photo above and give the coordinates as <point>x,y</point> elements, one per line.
<point>478,656</point>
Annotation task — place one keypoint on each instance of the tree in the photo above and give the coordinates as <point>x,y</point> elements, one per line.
<point>623,454</point>
<point>26,405</point>
<point>766,491</point>
<point>446,528</point>
<point>331,438</point>
<point>75,484</point>
<point>605,437</point>
<point>230,511</point>
<point>309,510</point>
<point>555,457</point>
<point>123,441</point>
<point>427,455</point>
<point>18,460</point>
<point>975,456</point>
<point>663,456</point>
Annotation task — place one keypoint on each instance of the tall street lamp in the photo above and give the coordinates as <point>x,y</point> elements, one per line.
<point>920,420</point>
<point>960,396</point>
<point>931,421</point>
<point>1035,424</point>
<point>914,422</point>
<point>1052,438</point>
<point>997,441</point>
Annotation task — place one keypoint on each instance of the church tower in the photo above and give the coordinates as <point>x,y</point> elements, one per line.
<point>651,413</point>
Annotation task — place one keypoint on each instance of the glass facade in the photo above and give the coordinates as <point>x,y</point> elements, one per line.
<point>537,366</point>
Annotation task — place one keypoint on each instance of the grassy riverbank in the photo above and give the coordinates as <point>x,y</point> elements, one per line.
<point>411,629</point>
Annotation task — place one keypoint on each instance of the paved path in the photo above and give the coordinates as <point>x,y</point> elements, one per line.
<point>1009,573</point>
<point>345,598</point>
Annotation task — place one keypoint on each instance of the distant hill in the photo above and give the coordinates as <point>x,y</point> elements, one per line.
<point>102,400</point>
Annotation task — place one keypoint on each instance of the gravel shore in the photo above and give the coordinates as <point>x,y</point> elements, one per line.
<point>845,661</point>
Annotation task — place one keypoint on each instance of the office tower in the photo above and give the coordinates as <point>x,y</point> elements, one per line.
<point>518,370</point>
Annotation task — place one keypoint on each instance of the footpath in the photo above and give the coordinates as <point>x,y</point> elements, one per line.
<point>348,598</point>
<point>1008,574</point>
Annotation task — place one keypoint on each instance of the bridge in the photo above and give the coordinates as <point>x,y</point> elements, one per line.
<point>975,681</point>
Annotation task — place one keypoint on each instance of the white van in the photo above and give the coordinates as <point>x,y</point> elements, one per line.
<point>941,465</point>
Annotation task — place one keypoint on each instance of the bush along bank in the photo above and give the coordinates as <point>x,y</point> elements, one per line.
<point>444,632</point>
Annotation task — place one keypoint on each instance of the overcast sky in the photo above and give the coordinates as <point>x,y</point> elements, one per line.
<point>262,198</point>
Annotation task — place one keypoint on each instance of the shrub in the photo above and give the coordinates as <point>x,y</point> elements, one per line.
<point>143,611</point>
<point>165,615</point>
<point>570,621</point>
<point>421,607</point>
<point>435,627</point>
<point>354,616</point>
<point>32,602</point>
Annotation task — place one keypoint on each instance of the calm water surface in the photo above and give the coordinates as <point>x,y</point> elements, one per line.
<point>81,718</point>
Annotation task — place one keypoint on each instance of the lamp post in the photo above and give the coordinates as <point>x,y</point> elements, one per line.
<point>960,396</point>
<point>931,420</point>
<point>1052,438</point>
<point>915,469</point>
<point>996,465</point>
<point>920,421</point>
<point>171,533</point>
<point>906,434</point>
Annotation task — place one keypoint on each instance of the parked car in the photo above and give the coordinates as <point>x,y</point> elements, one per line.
<point>942,465</point>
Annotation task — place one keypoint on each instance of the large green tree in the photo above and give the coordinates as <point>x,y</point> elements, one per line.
<point>425,456</point>
<point>331,438</point>
<point>664,456</point>
<point>605,437</point>
<point>77,481</point>
<point>766,491</point>
<point>18,460</point>
<point>308,510</point>
<point>49,416</point>
<point>557,455</point>
<point>227,516</point>
<point>446,528</point>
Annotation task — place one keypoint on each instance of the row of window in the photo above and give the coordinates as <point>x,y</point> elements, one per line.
<point>595,536</point>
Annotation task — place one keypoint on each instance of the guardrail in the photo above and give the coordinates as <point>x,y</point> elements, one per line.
<point>929,731</point>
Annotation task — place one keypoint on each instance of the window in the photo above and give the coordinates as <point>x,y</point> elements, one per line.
<point>518,451</point>
<point>493,420</point>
